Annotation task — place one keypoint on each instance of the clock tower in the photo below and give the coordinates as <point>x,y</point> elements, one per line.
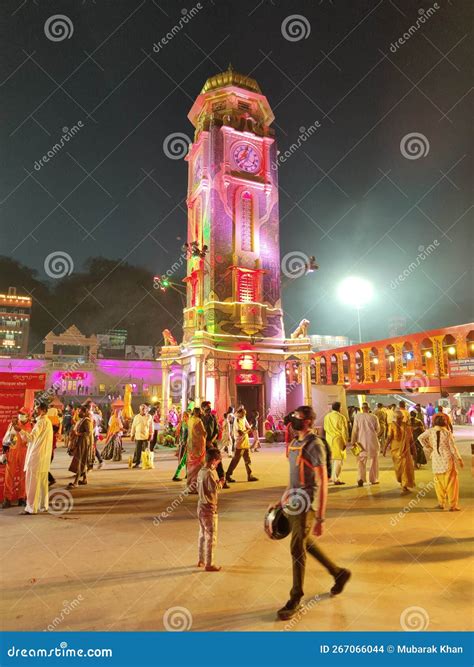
<point>233,348</point>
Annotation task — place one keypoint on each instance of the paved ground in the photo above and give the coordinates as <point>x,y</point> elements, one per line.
<point>115,562</point>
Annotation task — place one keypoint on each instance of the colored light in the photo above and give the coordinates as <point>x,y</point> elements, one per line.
<point>375,361</point>
<point>409,355</point>
<point>154,399</point>
<point>391,358</point>
<point>451,350</point>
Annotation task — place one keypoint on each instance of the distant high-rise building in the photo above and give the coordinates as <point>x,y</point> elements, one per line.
<point>397,326</point>
<point>14,323</point>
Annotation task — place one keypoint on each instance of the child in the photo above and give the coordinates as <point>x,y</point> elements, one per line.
<point>208,483</point>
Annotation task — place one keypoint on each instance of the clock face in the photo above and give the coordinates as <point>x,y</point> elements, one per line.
<point>246,158</point>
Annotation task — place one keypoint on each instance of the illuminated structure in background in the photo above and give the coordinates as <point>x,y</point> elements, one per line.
<point>425,362</point>
<point>234,346</point>
<point>14,323</point>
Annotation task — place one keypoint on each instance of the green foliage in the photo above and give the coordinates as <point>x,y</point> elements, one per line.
<point>106,294</point>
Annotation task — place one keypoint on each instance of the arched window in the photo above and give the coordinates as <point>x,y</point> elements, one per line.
<point>246,222</point>
<point>470,344</point>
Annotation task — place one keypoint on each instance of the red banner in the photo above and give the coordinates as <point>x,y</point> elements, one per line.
<point>22,381</point>
<point>10,404</point>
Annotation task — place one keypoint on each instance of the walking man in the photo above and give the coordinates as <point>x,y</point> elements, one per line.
<point>308,480</point>
<point>142,433</point>
<point>381,415</point>
<point>365,432</point>
<point>38,459</point>
<point>336,429</point>
<point>241,429</point>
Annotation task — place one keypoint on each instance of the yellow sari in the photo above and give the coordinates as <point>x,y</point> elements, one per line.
<point>400,437</point>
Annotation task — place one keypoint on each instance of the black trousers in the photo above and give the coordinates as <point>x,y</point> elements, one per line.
<point>301,542</point>
<point>239,453</point>
<point>140,446</point>
<point>219,468</point>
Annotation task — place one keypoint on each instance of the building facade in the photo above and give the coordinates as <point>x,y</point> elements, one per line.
<point>14,323</point>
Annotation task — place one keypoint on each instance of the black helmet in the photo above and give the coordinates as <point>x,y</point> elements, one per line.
<point>276,523</point>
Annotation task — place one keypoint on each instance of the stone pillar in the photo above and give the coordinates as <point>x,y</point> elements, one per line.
<point>340,368</point>
<point>367,377</point>
<point>306,382</point>
<point>461,346</point>
<point>417,362</point>
<point>398,364</point>
<point>165,390</point>
<point>438,356</point>
<point>317,368</point>
<point>381,368</point>
<point>352,368</point>
<point>184,388</point>
<point>200,381</point>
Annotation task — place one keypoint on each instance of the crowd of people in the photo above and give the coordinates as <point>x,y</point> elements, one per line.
<point>408,435</point>
<point>316,459</point>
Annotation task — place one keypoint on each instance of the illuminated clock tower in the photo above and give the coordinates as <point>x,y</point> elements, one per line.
<point>233,346</point>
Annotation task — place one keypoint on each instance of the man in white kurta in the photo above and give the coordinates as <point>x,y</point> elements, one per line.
<point>336,430</point>
<point>38,460</point>
<point>365,431</point>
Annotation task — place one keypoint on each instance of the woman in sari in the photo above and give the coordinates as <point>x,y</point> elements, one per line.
<point>113,440</point>
<point>182,449</point>
<point>82,441</point>
<point>400,441</point>
<point>196,449</point>
<point>438,443</point>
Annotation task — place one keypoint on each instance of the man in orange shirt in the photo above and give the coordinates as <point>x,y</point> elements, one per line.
<point>16,446</point>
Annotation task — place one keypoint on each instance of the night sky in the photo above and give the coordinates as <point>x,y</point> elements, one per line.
<point>348,195</point>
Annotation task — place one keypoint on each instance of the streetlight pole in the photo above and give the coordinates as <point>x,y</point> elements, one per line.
<point>358,324</point>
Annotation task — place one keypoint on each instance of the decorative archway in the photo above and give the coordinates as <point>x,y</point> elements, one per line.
<point>324,371</point>
<point>470,344</point>
<point>390,362</point>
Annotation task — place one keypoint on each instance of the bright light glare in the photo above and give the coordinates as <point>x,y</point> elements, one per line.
<point>355,291</point>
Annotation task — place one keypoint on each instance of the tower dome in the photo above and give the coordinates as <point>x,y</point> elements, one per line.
<point>231,78</point>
